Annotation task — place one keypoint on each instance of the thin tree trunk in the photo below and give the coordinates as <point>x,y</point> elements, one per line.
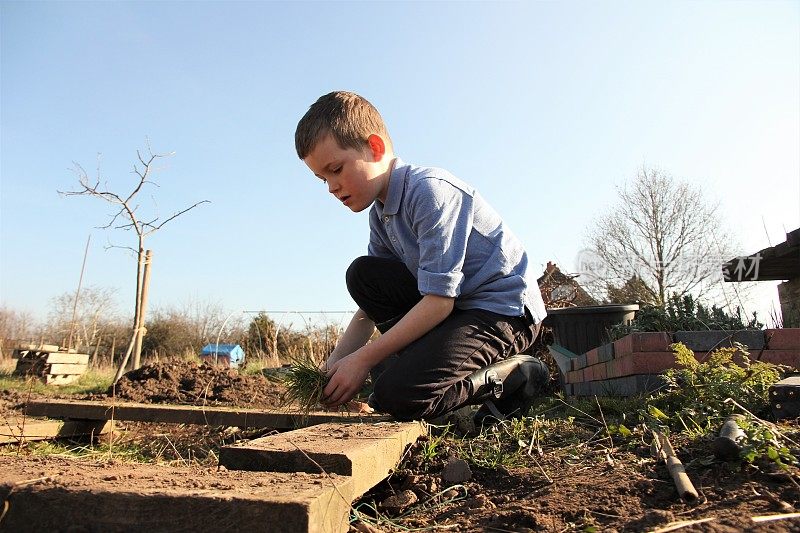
<point>137,307</point>
<point>137,354</point>
<point>96,349</point>
<point>113,349</point>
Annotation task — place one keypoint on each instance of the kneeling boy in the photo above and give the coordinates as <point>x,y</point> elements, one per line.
<point>444,280</point>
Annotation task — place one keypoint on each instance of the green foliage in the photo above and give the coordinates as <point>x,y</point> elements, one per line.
<point>172,333</point>
<point>304,382</point>
<point>494,447</point>
<point>695,394</point>
<point>762,443</point>
<point>684,314</point>
<point>433,444</point>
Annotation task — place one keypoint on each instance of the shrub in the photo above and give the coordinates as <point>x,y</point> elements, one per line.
<point>695,393</point>
<point>684,314</point>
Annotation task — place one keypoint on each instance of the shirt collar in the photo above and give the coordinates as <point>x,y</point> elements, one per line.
<point>397,183</point>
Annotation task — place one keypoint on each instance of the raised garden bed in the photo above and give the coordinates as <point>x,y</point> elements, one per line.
<point>632,364</point>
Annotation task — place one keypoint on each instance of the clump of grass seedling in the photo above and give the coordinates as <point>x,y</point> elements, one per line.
<point>304,381</point>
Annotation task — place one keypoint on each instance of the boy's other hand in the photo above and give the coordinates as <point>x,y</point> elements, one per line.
<point>346,376</point>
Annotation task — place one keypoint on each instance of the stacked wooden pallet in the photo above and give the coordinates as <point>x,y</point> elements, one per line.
<point>53,365</point>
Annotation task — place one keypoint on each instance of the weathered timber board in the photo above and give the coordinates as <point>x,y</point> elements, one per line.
<point>67,368</point>
<point>366,452</point>
<point>24,430</point>
<point>71,358</point>
<point>190,414</point>
<point>61,379</point>
<point>98,496</point>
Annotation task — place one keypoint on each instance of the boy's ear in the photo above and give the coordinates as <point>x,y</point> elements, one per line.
<point>376,146</point>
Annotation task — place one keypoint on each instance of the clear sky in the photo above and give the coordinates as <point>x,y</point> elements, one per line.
<point>542,106</point>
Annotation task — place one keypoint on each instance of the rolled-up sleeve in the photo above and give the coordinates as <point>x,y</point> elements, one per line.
<point>442,216</point>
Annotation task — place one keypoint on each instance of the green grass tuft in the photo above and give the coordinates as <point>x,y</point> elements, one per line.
<point>304,382</point>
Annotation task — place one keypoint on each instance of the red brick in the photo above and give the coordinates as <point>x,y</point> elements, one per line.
<point>782,357</point>
<point>588,373</point>
<point>574,376</point>
<point>592,357</point>
<point>783,339</point>
<point>645,363</point>
<point>600,372</point>
<point>623,346</point>
<point>651,341</point>
<point>611,369</point>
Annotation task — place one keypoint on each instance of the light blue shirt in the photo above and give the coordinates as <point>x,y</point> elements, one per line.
<point>453,242</point>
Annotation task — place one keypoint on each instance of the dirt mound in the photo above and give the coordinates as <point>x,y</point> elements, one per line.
<point>186,382</point>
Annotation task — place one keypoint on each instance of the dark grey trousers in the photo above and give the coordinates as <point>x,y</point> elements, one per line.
<point>428,378</point>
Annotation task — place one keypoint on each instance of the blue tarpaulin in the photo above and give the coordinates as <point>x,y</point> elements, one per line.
<point>227,354</point>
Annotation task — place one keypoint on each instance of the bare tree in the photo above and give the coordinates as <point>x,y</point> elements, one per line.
<point>126,217</point>
<point>15,326</point>
<point>664,234</point>
<point>95,313</point>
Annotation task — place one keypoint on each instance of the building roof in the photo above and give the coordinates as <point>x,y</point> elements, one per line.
<point>778,262</point>
<point>220,349</point>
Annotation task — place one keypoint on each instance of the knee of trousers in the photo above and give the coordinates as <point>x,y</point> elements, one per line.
<point>356,273</point>
<point>396,398</point>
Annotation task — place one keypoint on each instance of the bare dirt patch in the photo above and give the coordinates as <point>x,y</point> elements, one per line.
<point>631,493</point>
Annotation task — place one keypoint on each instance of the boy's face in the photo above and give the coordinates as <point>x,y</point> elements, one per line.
<point>355,177</point>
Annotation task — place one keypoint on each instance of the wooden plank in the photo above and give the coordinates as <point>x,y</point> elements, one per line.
<point>38,347</point>
<point>67,368</point>
<point>366,452</point>
<point>158,498</point>
<point>70,358</point>
<point>61,379</point>
<point>14,431</point>
<point>190,414</point>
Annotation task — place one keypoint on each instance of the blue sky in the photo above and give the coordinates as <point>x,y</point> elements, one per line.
<point>543,106</point>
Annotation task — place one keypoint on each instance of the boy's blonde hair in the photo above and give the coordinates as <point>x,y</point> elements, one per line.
<point>350,118</point>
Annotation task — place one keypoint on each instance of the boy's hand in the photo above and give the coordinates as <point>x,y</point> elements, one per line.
<point>326,364</point>
<point>346,376</point>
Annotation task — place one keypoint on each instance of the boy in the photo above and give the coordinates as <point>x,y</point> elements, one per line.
<point>444,280</point>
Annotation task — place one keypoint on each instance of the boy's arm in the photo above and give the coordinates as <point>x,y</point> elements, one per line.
<point>358,332</point>
<point>349,372</point>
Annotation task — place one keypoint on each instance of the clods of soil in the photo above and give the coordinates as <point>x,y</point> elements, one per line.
<point>189,383</point>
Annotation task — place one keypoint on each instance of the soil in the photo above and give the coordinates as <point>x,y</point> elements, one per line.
<point>629,493</point>
<point>567,487</point>
<point>189,383</point>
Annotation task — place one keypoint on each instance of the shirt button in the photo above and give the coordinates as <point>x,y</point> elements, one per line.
<point>394,239</point>
<point>386,219</point>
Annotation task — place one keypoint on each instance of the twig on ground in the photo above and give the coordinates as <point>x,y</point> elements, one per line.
<point>764,423</point>
<point>180,457</point>
<point>772,517</point>
<point>19,485</point>
<point>580,411</point>
<point>683,523</point>
<point>603,418</point>
<point>676,470</point>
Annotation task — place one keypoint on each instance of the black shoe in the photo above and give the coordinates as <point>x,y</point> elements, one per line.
<point>508,388</point>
